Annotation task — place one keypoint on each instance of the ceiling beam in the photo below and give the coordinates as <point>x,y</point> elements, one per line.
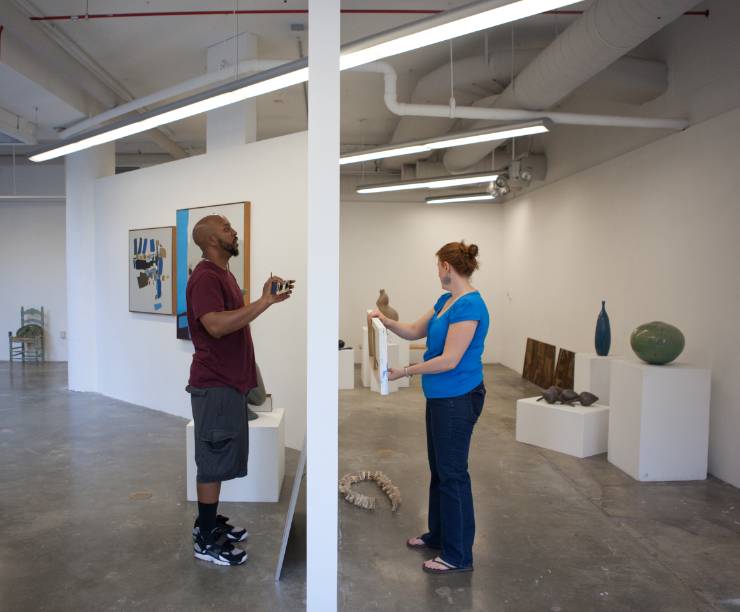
<point>17,127</point>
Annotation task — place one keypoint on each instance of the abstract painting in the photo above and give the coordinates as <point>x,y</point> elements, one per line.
<point>151,256</point>
<point>189,254</point>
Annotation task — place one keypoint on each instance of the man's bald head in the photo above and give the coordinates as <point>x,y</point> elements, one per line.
<point>215,237</point>
<point>205,228</point>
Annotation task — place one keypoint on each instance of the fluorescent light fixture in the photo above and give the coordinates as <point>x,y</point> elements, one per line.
<point>236,91</point>
<point>445,26</point>
<point>438,28</point>
<point>471,197</point>
<point>438,182</point>
<point>485,135</point>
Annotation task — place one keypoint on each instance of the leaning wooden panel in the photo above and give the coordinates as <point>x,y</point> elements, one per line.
<point>539,363</point>
<point>565,369</point>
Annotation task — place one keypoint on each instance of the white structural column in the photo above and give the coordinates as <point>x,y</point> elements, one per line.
<point>81,171</point>
<point>235,124</point>
<point>323,304</point>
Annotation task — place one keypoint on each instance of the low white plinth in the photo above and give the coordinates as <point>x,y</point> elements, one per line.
<point>659,420</point>
<point>266,462</point>
<point>346,369</point>
<point>593,373</point>
<point>573,430</point>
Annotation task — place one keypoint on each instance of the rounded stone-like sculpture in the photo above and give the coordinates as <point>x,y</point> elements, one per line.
<point>657,342</point>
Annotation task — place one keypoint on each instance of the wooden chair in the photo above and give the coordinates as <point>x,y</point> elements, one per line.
<point>27,344</point>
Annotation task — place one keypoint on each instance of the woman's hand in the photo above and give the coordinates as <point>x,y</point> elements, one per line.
<point>395,373</point>
<point>376,314</point>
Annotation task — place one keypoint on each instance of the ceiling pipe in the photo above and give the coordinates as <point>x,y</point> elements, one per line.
<point>506,114</point>
<point>628,80</point>
<point>604,33</point>
<point>186,87</point>
<point>159,136</point>
<point>205,13</point>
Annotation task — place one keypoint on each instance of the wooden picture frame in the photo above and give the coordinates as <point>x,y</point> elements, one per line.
<point>152,270</point>
<point>239,215</point>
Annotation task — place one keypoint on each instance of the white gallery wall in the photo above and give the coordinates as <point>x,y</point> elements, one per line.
<point>140,359</point>
<point>654,233</point>
<point>391,246</point>
<point>32,261</point>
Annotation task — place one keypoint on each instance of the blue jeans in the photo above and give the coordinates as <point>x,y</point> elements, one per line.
<point>450,423</point>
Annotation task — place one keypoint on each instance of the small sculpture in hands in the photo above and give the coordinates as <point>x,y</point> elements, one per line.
<point>554,394</point>
<point>383,306</point>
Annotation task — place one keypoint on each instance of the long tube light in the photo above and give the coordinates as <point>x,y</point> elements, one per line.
<point>438,182</point>
<point>248,87</point>
<point>445,26</point>
<point>451,24</point>
<point>464,138</point>
<point>471,197</point>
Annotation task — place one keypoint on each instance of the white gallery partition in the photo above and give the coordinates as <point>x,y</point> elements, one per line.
<point>654,233</point>
<point>323,305</point>
<point>141,360</point>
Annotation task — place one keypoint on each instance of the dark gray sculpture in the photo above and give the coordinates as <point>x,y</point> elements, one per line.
<point>256,396</point>
<point>554,395</point>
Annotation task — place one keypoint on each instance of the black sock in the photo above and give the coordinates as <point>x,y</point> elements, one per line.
<point>207,517</point>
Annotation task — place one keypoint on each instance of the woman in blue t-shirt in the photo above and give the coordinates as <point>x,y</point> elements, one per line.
<point>452,379</point>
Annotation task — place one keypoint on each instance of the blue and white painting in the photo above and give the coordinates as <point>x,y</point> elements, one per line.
<point>151,268</point>
<point>189,255</point>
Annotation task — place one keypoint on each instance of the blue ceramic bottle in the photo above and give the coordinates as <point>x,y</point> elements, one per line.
<point>603,336</point>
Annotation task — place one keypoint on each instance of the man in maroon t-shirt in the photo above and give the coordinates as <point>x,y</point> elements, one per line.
<point>222,373</point>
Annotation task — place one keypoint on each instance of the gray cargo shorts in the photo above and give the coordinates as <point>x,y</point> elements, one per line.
<point>221,433</point>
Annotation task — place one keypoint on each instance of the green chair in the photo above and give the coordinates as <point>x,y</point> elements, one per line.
<point>27,344</point>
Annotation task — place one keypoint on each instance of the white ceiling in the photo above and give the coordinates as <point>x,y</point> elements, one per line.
<point>150,53</point>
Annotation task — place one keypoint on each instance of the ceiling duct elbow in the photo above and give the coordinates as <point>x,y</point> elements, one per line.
<point>607,30</point>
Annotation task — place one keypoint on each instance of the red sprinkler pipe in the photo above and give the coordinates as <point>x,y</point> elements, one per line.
<point>89,16</point>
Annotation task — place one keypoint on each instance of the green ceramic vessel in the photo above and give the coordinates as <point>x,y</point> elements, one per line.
<point>657,342</point>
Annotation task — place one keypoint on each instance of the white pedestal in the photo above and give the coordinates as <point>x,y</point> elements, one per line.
<point>266,462</point>
<point>659,420</point>
<point>573,430</point>
<point>593,373</point>
<point>346,369</point>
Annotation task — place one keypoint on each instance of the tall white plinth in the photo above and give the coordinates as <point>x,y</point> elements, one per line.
<point>346,369</point>
<point>659,420</point>
<point>573,430</point>
<point>593,373</point>
<point>266,462</point>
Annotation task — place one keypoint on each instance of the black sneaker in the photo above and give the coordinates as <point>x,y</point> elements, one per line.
<point>234,534</point>
<point>217,549</point>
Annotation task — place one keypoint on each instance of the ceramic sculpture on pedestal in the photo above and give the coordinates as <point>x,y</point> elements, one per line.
<point>603,336</point>
<point>383,306</point>
<point>657,343</point>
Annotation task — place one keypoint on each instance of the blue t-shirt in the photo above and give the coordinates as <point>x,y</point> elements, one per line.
<point>469,371</point>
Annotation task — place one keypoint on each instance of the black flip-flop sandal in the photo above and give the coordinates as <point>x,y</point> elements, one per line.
<point>419,546</point>
<point>451,569</point>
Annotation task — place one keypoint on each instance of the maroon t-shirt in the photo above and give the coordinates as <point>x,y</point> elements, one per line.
<point>217,362</point>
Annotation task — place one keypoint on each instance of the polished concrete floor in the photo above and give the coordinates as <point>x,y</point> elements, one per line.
<point>93,517</point>
<point>554,533</point>
<point>93,513</point>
